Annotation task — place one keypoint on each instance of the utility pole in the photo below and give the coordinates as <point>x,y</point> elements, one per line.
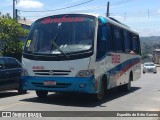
<point>14,14</point>
<point>107,14</point>
<point>13,9</point>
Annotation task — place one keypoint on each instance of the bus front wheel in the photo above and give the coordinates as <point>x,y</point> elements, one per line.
<point>41,94</point>
<point>100,95</point>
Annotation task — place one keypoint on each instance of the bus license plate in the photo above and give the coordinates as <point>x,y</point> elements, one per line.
<point>49,83</point>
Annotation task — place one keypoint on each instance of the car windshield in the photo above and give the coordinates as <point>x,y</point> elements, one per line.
<point>149,64</point>
<point>61,34</point>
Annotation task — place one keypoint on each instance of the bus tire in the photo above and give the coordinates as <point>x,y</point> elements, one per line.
<point>127,87</point>
<point>41,93</point>
<point>100,95</point>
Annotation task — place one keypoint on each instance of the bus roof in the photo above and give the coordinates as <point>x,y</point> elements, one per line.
<point>121,25</point>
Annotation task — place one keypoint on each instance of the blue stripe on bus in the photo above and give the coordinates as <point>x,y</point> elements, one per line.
<point>63,84</point>
<point>123,67</point>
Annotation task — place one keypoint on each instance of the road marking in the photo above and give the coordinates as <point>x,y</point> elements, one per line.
<point>13,105</point>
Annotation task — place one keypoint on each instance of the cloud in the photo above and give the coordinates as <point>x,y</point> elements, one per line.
<point>29,4</point>
<point>145,32</point>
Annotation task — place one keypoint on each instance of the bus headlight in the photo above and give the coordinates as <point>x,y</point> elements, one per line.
<point>24,72</point>
<point>85,73</point>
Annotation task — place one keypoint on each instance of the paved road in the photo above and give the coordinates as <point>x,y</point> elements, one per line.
<point>144,96</point>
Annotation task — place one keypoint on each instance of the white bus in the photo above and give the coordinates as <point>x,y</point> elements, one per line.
<point>80,53</point>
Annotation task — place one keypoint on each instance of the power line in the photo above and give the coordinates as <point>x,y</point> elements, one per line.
<point>60,8</point>
<point>141,15</point>
<point>121,2</point>
<point>135,14</point>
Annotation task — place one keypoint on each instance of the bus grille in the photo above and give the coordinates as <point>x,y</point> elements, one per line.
<point>51,72</point>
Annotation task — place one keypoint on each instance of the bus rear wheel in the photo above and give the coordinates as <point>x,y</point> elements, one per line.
<point>127,87</point>
<point>41,93</point>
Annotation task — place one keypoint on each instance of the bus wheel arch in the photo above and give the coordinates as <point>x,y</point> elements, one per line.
<point>127,87</point>
<point>131,76</point>
<point>102,89</point>
<point>105,82</point>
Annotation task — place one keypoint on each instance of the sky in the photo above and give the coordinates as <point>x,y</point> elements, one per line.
<point>140,15</point>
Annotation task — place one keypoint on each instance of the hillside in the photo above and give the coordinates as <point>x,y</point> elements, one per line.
<point>151,39</point>
<point>148,44</point>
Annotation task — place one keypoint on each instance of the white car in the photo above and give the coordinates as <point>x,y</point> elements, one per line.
<point>149,67</point>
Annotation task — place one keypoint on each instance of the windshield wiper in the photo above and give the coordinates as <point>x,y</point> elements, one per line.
<point>55,45</point>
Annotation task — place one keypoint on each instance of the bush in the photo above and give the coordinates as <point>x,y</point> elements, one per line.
<point>10,34</point>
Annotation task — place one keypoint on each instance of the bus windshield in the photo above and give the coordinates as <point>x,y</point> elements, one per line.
<point>61,34</point>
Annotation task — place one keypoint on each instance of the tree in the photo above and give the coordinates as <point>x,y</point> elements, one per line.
<point>11,33</point>
<point>24,19</point>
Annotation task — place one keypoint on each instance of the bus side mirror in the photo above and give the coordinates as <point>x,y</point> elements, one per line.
<point>102,21</point>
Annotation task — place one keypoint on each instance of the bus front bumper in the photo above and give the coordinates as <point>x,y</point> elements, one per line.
<point>60,84</point>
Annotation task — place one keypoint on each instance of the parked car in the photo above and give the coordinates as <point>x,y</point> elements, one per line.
<point>10,74</point>
<point>149,67</point>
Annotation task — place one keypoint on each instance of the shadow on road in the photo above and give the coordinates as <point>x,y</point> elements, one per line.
<point>5,94</point>
<point>79,100</point>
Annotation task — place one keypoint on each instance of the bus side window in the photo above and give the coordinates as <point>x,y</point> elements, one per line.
<point>139,45</point>
<point>126,41</point>
<point>122,40</point>
<point>110,42</point>
<point>101,41</point>
<point>118,39</point>
<point>131,43</point>
<point>135,44</point>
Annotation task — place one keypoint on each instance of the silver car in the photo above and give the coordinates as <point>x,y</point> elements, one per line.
<point>149,67</point>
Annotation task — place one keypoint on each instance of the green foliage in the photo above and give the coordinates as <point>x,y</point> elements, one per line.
<point>13,49</point>
<point>10,34</point>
